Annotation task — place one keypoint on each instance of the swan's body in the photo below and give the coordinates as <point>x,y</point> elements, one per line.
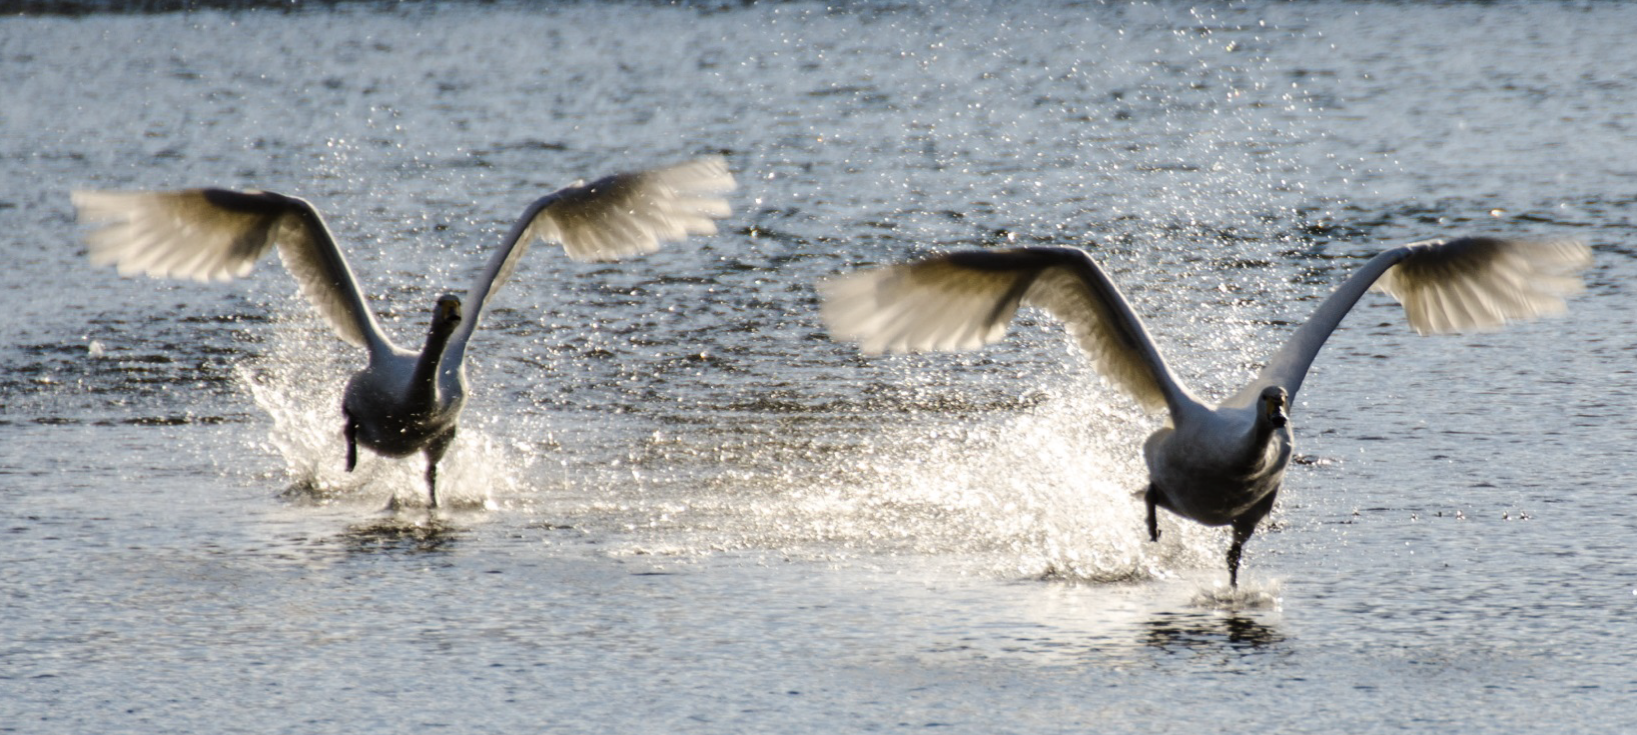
<point>1217,465</point>
<point>402,402</point>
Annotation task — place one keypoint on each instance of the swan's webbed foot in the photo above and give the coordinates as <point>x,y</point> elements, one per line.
<point>1152,499</point>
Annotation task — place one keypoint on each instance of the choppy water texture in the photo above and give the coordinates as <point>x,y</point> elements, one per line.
<point>688,510</point>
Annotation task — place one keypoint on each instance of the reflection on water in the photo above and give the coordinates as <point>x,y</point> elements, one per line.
<point>1206,634</point>
<point>402,534</point>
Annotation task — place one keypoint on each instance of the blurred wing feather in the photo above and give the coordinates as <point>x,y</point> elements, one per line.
<point>930,305</point>
<point>965,300</point>
<point>608,219</point>
<point>633,213</point>
<point>218,235</point>
<point>1480,283</point>
<point>173,234</point>
<point>1445,286</point>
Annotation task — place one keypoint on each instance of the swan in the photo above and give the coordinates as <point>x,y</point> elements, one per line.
<point>401,402</point>
<point>1217,465</point>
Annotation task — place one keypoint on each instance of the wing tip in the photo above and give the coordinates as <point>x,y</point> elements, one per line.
<point>1482,284</point>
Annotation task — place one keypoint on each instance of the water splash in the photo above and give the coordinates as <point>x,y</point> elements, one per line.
<point>1053,491</point>
<point>1045,492</point>
<point>299,382</point>
<point>1248,596</point>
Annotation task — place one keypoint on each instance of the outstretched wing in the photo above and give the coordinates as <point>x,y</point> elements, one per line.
<point>1446,286</point>
<point>218,235</point>
<point>608,219</point>
<point>1477,283</point>
<point>633,213</point>
<point>965,300</point>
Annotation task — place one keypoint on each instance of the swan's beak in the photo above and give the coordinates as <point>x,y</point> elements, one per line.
<point>449,309</point>
<point>1274,408</point>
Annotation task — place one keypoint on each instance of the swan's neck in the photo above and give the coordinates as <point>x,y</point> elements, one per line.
<point>423,385</point>
<point>1262,447</point>
<point>1262,433</point>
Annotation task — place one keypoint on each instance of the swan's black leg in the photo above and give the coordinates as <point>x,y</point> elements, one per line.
<point>1152,499</point>
<point>1243,527</point>
<point>1241,534</point>
<point>434,454</point>
<point>350,431</point>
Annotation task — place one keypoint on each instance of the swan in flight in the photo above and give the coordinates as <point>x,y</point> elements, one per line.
<point>401,402</point>
<point>1218,465</point>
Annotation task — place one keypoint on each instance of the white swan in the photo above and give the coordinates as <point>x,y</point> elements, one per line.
<point>1217,465</point>
<point>401,402</point>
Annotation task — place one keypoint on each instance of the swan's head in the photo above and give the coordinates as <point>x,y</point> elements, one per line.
<point>446,313</point>
<point>1271,406</point>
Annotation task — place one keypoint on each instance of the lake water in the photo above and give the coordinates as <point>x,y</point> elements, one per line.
<point>685,509</point>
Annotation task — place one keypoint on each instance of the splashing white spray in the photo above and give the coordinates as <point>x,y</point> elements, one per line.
<point>299,383</point>
<point>1051,492</point>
